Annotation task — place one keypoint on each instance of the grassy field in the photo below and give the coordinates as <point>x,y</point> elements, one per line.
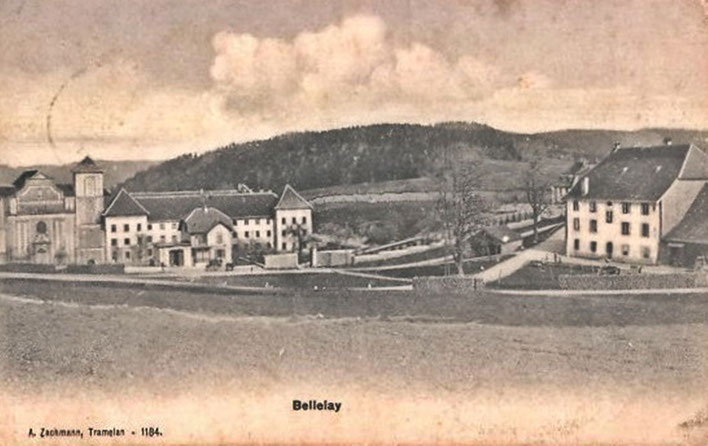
<point>470,267</point>
<point>459,367</point>
<point>541,277</point>
<point>307,281</point>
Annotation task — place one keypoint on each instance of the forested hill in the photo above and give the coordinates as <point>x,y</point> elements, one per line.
<point>371,154</point>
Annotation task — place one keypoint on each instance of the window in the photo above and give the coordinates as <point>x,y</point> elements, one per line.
<point>150,252</point>
<point>576,205</point>
<point>174,239</point>
<point>258,234</point>
<point>126,228</point>
<point>126,241</point>
<point>304,231</point>
<point>245,234</point>
<point>162,238</point>
<point>285,246</point>
<point>41,227</point>
<point>114,242</point>
<point>283,220</point>
<point>258,221</point>
<point>140,227</point>
<point>149,227</point>
<point>114,228</point>
<point>625,228</point>
<point>162,226</point>
<point>645,229</point>
<point>593,225</point>
<point>609,204</point>
<point>149,239</point>
<point>174,225</point>
<point>294,220</point>
<point>626,207</point>
<point>576,244</point>
<point>127,254</point>
<point>219,238</point>
<point>268,221</point>
<point>625,250</point>
<point>304,220</point>
<point>268,245</point>
<point>267,233</point>
<point>608,216</point>
<point>593,246</point>
<point>593,206</point>
<point>283,233</point>
<point>645,208</point>
<point>646,252</point>
<point>247,222</point>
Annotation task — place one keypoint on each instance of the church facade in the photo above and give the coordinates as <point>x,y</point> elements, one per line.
<point>49,223</point>
<point>81,223</point>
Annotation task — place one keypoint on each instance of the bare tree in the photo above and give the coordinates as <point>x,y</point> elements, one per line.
<point>460,207</point>
<point>537,186</point>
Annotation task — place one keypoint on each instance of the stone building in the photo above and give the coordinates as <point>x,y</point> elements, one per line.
<point>45,222</point>
<point>625,206</point>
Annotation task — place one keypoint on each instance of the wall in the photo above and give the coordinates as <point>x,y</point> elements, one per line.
<point>164,231</point>
<point>632,281</point>
<point>447,284</point>
<point>288,242</point>
<point>612,232</point>
<point>131,253</point>
<point>281,261</point>
<point>222,233</point>
<point>341,257</point>
<point>22,229</point>
<point>254,230</point>
<point>687,253</point>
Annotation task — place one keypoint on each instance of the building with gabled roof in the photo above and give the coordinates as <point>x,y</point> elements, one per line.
<point>155,227</point>
<point>623,207</point>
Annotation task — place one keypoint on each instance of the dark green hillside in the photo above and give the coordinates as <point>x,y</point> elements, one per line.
<point>319,159</point>
<point>382,152</point>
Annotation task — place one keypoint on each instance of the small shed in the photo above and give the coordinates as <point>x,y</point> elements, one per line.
<point>497,240</point>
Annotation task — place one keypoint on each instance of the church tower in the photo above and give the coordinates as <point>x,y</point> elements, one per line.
<point>88,187</point>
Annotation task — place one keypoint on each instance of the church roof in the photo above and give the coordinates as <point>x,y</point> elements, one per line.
<point>19,183</point>
<point>693,228</point>
<point>124,205</point>
<point>204,219</point>
<point>87,165</point>
<point>636,173</point>
<point>291,200</point>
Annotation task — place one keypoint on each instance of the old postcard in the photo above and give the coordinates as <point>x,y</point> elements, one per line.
<point>353,222</point>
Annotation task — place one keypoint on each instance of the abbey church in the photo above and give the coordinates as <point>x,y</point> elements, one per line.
<point>82,223</point>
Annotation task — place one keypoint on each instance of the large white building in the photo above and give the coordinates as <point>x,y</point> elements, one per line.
<point>194,228</point>
<point>624,207</point>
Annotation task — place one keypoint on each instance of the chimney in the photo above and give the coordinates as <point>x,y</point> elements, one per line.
<point>585,186</point>
<point>616,146</point>
<point>668,141</point>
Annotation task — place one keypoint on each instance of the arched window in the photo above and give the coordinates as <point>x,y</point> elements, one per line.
<point>41,227</point>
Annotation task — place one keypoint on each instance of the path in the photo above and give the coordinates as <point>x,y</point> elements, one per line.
<point>512,264</point>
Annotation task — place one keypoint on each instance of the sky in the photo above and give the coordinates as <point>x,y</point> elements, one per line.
<point>152,79</point>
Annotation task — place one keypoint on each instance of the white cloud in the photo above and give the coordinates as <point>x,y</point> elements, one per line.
<point>353,65</point>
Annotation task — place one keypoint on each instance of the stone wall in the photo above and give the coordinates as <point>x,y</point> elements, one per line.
<point>633,281</point>
<point>447,283</point>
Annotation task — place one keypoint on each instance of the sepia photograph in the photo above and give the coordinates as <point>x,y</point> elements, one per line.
<point>473,222</point>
